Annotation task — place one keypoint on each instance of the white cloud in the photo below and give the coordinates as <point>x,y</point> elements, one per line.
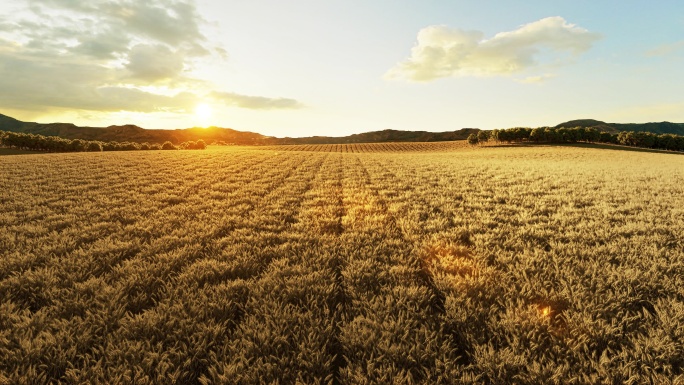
<point>444,52</point>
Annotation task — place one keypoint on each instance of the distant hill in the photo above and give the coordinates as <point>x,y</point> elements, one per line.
<point>11,124</point>
<point>384,136</point>
<point>132,133</point>
<point>657,128</point>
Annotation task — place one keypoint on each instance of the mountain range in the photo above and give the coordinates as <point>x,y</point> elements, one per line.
<point>132,133</point>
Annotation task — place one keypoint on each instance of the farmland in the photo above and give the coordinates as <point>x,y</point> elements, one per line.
<point>346,264</point>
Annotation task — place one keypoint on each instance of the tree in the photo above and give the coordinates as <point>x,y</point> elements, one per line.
<point>495,135</point>
<point>592,135</point>
<point>627,138</point>
<point>505,135</point>
<point>130,146</point>
<point>573,134</point>
<point>551,135</point>
<point>645,139</point>
<point>472,139</point>
<point>483,136</point>
<point>77,145</point>
<point>168,146</point>
<point>607,137</point>
<point>679,143</point>
<point>94,147</point>
<point>537,135</point>
<point>521,133</point>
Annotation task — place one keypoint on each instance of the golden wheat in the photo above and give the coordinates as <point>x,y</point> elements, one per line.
<point>383,263</point>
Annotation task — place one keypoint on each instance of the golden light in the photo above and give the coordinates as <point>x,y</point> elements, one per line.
<point>203,111</point>
<point>545,311</point>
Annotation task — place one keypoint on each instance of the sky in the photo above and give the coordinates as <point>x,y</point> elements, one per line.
<point>316,67</point>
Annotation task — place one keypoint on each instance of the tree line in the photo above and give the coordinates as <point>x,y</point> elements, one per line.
<point>35,142</point>
<point>670,142</point>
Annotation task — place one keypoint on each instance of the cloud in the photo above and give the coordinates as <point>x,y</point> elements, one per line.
<point>131,99</point>
<point>38,85</point>
<point>666,49</point>
<point>174,23</point>
<point>444,52</point>
<point>106,44</point>
<point>139,42</point>
<point>167,21</point>
<point>107,27</point>
<point>255,102</point>
<point>109,55</point>
<point>535,79</point>
<point>152,63</point>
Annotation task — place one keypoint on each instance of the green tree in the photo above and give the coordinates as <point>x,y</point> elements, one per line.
<point>505,135</point>
<point>551,134</point>
<point>494,135</point>
<point>591,134</point>
<point>606,137</point>
<point>537,135</point>
<point>472,139</point>
<point>483,136</point>
<point>627,138</point>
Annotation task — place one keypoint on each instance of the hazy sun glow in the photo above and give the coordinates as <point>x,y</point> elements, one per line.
<point>203,111</point>
<point>167,64</point>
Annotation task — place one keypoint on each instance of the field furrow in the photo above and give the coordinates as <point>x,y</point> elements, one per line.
<point>393,331</point>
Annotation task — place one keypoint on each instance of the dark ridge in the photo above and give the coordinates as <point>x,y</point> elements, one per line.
<point>613,128</point>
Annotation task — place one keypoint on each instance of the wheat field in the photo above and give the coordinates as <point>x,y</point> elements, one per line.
<point>343,264</point>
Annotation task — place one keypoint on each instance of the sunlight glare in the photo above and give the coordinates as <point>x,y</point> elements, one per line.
<point>203,111</point>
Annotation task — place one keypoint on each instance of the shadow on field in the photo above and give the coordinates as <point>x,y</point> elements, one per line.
<point>14,151</point>
<point>603,146</point>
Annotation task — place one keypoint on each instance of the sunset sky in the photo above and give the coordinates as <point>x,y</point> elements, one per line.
<point>316,67</point>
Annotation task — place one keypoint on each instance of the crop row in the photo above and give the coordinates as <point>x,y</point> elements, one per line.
<point>392,147</point>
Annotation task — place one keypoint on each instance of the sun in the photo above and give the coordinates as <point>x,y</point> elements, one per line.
<point>203,111</point>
